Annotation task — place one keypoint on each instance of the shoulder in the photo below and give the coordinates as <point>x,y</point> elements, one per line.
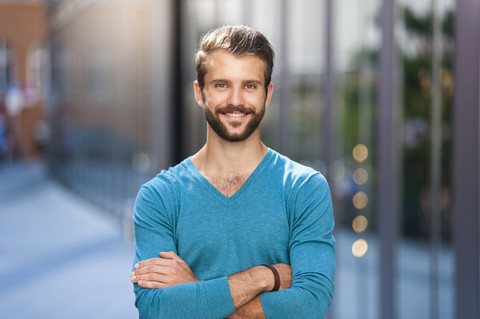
<point>170,177</point>
<point>159,198</point>
<point>302,185</point>
<point>167,183</point>
<point>297,175</point>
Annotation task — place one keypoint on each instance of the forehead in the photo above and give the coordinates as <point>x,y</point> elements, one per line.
<point>223,64</point>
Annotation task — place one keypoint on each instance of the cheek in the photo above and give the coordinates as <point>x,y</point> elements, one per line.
<point>257,99</point>
<point>215,99</point>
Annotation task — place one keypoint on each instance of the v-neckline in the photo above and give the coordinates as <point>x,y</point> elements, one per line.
<point>213,190</point>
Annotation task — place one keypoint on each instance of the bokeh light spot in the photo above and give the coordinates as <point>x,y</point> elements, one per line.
<point>359,248</point>
<point>360,200</point>
<point>360,153</point>
<point>360,176</point>
<point>360,224</point>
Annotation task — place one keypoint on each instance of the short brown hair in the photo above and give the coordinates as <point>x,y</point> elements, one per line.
<point>237,40</point>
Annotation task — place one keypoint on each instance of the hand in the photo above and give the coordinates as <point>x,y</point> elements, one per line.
<point>169,270</point>
<point>285,272</point>
<point>253,308</point>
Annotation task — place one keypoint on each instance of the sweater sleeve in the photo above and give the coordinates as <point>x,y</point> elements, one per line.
<point>154,232</point>
<point>312,256</point>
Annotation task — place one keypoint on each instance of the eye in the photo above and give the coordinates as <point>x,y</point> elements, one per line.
<point>220,85</point>
<point>251,86</point>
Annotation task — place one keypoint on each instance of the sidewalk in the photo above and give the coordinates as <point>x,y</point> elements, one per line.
<point>61,257</point>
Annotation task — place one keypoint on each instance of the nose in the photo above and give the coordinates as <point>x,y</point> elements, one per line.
<point>235,97</point>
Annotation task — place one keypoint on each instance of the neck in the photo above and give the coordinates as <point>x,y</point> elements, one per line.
<point>222,158</point>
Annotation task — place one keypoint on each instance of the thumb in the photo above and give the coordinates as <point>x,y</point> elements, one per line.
<point>169,255</point>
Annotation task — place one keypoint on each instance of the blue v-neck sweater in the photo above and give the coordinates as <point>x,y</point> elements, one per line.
<point>282,214</point>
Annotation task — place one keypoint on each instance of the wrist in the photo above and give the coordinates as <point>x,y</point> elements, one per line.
<point>249,283</point>
<point>276,277</point>
<point>265,278</point>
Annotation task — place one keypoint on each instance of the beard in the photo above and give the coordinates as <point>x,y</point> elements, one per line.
<point>218,127</point>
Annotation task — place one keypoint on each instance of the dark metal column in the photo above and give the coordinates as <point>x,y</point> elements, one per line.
<point>177,81</point>
<point>165,79</point>
<point>466,206</point>
<point>387,164</point>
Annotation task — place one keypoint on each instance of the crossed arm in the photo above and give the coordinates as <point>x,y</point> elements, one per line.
<point>245,286</point>
<point>166,287</point>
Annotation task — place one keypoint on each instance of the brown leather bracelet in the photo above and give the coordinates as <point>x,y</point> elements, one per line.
<point>276,275</point>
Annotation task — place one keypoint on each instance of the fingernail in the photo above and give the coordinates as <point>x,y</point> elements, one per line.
<point>132,274</point>
<point>136,266</point>
<point>133,278</point>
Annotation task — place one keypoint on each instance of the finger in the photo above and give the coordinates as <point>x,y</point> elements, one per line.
<point>170,255</point>
<point>146,262</point>
<point>150,269</point>
<point>150,277</point>
<point>151,261</point>
<point>153,281</point>
<point>152,284</point>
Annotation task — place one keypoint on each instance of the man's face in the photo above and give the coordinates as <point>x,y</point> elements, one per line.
<point>234,97</point>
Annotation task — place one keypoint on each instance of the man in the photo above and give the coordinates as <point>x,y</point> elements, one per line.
<point>237,230</point>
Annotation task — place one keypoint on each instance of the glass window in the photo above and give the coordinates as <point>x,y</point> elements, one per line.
<point>356,47</point>
<point>425,260</point>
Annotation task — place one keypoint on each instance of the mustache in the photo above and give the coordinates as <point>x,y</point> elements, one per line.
<point>233,108</point>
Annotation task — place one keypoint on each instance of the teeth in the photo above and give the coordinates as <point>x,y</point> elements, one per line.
<point>235,114</point>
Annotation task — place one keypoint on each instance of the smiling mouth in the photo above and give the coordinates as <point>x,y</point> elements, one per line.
<point>235,111</point>
<point>235,114</point>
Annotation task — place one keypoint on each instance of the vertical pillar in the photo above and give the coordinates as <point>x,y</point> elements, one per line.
<point>466,206</point>
<point>177,105</point>
<point>387,162</point>
<point>329,83</point>
<point>165,79</point>
<point>435,158</point>
<point>328,119</point>
<point>284,87</point>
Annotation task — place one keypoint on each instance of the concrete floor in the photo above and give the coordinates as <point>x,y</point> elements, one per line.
<point>60,256</point>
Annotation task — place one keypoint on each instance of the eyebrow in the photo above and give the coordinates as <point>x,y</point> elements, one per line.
<point>257,82</point>
<point>218,80</point>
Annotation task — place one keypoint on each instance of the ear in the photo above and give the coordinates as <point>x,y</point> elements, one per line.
<point>198,94</point>
<point>268,98</point>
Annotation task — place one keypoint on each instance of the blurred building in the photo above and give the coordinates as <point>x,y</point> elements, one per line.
<point>364,92</point>
<point>22,99</point>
